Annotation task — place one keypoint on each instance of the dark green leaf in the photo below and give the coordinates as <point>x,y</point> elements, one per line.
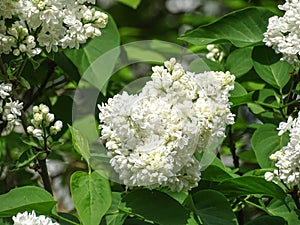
<point>91,195</point>
<point>238,90</point>
<point>248,185</point>
<point>266,141</point>
<point>288,212</point>
<point>26,198</point>
<point>215,173</point>
<point>241,100</point>
<point>242,28</point>
<point>157,207</point>
<point>267,220</point>
<point>213,208</point>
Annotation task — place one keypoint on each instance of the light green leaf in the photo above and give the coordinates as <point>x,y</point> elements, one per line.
<point>26,198</point>
<point>201,65</point>
<point>275,73</point>
<point>242,28</point>
<point>157,207</point>
<point>248,185</point>
<point>131,3</point>
<point>91,195</point>
<point>239,62</point>
<point>213,208</point>
<point>266,141</point>
<point>80,143</point>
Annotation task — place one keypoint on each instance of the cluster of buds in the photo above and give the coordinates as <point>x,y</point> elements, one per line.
<point>41,122</point>
<point>215,54</point>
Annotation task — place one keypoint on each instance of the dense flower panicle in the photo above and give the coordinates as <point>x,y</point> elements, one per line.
<point>42,119</point>
<point>152,136</point>
<point>10,110</point>
<point>26,218</point>
<point>287,159</point>
<point>47,25</point>
<point>283,33</point>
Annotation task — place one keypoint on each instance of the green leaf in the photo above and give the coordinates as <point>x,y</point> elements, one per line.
<point>238,90</point>
<point>202,65</point>
<point>242,28</point>
<point>239,62</point>
<point>26,198</point>
<point>241,100</point>
<point>131,3</point>
<point>248,185</point>
<point>290,213</point>
<point>266,141</point>
<point>157,207</point>
<point>215,173</point>
<point>213,208</point>
<point>267,220</point>
<point>87,57</point>
<point>275,73</point>
<point>91,195</point>
<point>80,143</point>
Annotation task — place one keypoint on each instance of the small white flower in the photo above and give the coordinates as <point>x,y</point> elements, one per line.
<point>26,218</point>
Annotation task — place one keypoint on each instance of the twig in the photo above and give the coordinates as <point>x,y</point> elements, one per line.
<point>2,68</point>
<point>236,162</point>
<point>38,93</point>
<point>45,176</point>
<point>295,196</point>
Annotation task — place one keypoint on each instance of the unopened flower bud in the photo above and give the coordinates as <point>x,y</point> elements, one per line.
<point>30,129</point>
<point>37,133</point>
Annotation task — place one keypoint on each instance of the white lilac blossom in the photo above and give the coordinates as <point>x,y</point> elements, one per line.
<point>287,159</point>
<point>47,25</point>
<point>214,53</point>
<point>10,110</point>
<point>42,119</point>
<point>283,33</point>
<point>26,218</point>
<point>152,136</point>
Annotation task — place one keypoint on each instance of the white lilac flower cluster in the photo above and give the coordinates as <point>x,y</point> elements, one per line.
<point>283,33</point>
<point>48,24</point>
<point>287,159</point>
<point>152,136</point>
<point>10,110</point>
<point>41,121</point>
<point>214,53</point>
<point>26,218</point>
